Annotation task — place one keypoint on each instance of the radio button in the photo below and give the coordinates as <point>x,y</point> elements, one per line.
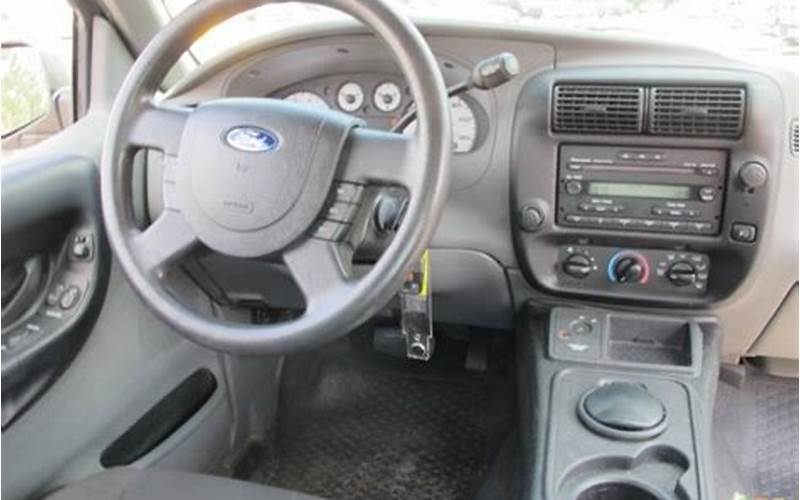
<point>674,212</point>
<point>675,226</point>
<point>617,209</point>
<point>573,187</point>
<point>709,171</point>
<point>658,211</point>
<point>594,221</point>
<point>625,222</point>
<point>651,224</point>
<point>707,193</point>
<point>636,223</point>
<point>699,227</point>
<point>575,219</point>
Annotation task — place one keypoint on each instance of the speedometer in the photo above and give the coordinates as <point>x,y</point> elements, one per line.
<point>465,126</point>
<point>308,98</point>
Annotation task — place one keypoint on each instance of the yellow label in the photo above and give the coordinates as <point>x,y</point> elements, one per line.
<point>425,269</point>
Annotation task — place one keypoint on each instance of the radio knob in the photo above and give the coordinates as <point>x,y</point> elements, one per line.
<point>530,218</point>
<point>577,265</point>
<point>628,270</point>
<point>682,273</point>
<point>752,175</point>
<point>573,187</point>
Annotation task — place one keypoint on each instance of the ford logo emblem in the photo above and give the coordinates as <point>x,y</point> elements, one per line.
<point>252,139</point>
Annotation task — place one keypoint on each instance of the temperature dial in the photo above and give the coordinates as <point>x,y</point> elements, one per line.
<point>628,267</point>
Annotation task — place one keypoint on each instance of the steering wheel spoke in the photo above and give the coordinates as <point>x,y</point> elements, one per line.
<point>376,156</point>
<point>319,268</point>
<point>165,241</point>
<point>159,127</point>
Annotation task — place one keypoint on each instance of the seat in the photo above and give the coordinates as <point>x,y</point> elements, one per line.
<point>127,483</point>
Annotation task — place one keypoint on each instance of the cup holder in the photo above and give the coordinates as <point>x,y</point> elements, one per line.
<point>618,491</point>
<point>654,474</point>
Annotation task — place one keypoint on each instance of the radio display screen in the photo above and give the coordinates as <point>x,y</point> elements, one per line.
<point>664,191</point>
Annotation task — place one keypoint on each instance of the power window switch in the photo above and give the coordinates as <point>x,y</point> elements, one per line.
<point>55,294</point>
<point>69,298</point>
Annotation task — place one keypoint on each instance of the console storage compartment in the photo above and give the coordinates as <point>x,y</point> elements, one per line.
<point>618,405</point>
<point>649,341</point>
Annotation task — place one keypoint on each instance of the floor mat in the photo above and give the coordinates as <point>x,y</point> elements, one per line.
<point>360,428</point>
<point>756,438</point>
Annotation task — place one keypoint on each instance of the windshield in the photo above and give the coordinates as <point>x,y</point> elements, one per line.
<point>735,27</point>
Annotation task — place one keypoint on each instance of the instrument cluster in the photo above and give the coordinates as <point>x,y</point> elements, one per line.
<point>381,100</point>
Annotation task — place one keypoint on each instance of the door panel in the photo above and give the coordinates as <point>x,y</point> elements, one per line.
<point>87,370</point>
<point>52,234</point>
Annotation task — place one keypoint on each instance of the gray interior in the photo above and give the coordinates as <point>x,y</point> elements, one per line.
<point>572,361</point>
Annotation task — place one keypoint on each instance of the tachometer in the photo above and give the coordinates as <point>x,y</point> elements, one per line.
<point>309,98</point>
<point>350,97</point>
<point>465,126</point>
<point>387,97</point>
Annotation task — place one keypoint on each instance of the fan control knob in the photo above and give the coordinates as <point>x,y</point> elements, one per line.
<point>577,265</point>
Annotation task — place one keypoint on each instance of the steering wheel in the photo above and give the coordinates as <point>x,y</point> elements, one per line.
<point>250,178</point>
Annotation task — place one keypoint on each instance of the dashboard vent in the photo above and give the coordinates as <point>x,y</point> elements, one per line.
<point>598,109</point>
<point>794,138</point>
<point>697,111</point>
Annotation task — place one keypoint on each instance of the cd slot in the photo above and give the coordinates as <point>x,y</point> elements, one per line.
<point>635,169</point>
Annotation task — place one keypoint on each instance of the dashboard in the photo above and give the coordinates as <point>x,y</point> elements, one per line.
<point>613,171</point>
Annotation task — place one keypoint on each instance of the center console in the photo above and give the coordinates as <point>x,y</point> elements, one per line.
<point>640,184</point>
<point>615,405</point>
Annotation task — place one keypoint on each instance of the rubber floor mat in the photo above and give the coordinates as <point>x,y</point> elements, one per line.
<point>355,431</point>
<point>756,438</point>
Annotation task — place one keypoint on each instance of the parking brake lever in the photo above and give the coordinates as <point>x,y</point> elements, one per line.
<point>487,74</point>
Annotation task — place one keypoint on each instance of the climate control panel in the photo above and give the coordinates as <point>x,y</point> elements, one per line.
<point>632,271</point>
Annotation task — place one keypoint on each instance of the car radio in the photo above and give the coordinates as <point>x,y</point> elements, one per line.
<point>641,189</point>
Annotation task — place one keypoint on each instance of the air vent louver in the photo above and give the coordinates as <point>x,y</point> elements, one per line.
<point>598,109</point>
<point>794,138</point>
<point>697,111</point>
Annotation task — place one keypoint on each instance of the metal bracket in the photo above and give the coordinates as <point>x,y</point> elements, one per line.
<point>416,320</point>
